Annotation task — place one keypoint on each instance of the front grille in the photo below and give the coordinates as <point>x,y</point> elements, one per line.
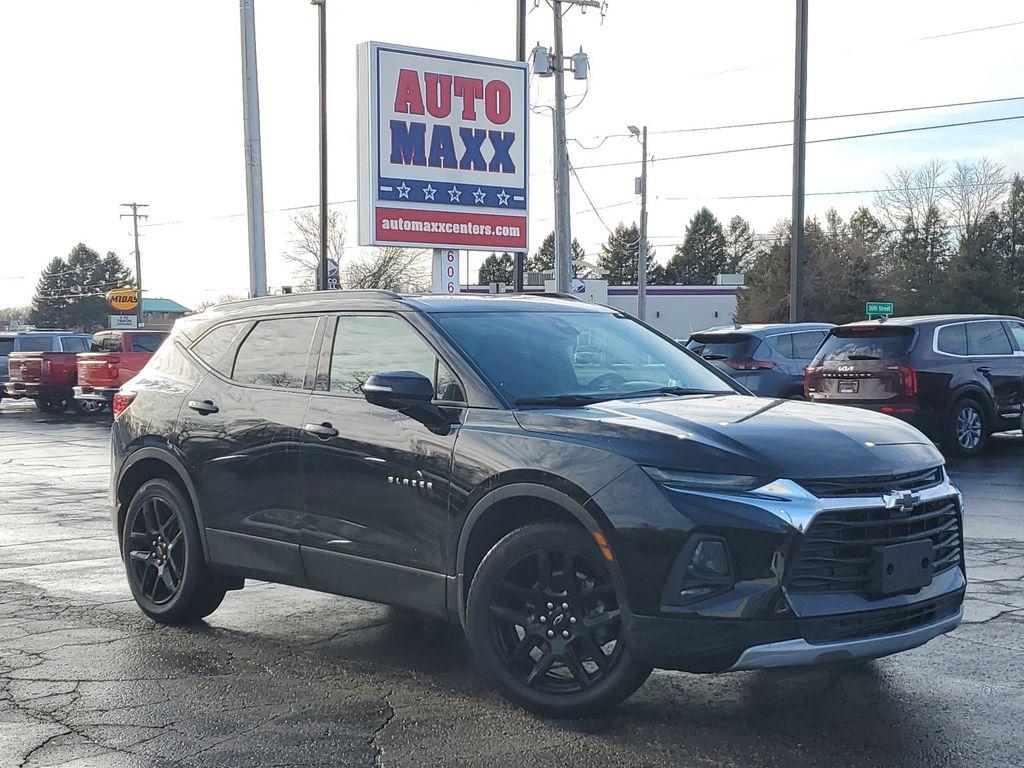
<point>873,485</point>
<point>887,621</point>
<point>834,554</point>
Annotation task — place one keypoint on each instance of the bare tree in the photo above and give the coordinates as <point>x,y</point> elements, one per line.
<point>224,298</point>
<point>911,194</point>
<point>974,191</point>
<point>304,256</point>
<point>391,268</point>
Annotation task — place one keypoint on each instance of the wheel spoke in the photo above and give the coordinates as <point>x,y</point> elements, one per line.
<point>151,592</point>
<point>575,666</point>
<point>600,590</point>
<point>511,616</point>
<point>522,651</point>
<point>572,588</point>
<point>149,517</point>
<point>514,590</point>
<point>592,651</point>
<point>544,568</point>
<point>540,668</point>
<point>174,541</point>
<point>139,555</point>
<point>168,579</point>
<point>603,619</point>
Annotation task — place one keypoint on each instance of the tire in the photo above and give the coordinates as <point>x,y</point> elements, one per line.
<point>967,428</point>
<point>544,659</point>
<point>51,404</point>
<point>87,407</point>
<point>163,556</point>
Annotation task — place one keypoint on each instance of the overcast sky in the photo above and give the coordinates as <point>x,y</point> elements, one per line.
<point>110,101</point>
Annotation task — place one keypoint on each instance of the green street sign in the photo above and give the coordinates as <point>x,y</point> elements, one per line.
<point>878,309</point>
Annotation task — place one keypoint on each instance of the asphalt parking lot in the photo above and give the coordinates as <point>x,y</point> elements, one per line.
<point>285,677</point>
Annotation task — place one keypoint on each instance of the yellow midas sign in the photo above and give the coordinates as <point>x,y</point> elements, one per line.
<point>123,299</point>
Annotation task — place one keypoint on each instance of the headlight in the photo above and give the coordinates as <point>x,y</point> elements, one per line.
<point>705,481</point>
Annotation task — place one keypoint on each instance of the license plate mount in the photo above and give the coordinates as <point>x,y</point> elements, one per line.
<point>899,568</point>
<point>848,387</point>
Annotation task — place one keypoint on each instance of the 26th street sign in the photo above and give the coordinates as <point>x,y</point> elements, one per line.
<point>878,309</point>
<point>442,149</point>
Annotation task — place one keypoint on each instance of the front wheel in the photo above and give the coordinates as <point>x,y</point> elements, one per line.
<point>545,624</point>
<point>967,428</point>
<point>163,556</point>
<point>51,404</point>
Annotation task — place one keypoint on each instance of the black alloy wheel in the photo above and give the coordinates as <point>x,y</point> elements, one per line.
<point>546,624</point>
<point>51,404</point>
<point>163,556</point>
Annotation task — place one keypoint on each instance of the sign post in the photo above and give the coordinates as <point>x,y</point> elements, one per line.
<point>442,151</point>
<point>878,309</point>
<point>445,271</point>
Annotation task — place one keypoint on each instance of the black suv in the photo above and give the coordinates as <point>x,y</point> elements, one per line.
<point>587,499</point>
<point>957,378</point>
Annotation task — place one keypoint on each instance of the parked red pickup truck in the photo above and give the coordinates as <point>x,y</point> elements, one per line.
<point>114,357</point>
<point>47,373</point>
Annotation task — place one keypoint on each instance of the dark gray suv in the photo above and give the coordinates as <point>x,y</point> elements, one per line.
<point>767,359</point>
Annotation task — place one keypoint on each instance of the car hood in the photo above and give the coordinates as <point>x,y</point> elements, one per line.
<point>738,434</point>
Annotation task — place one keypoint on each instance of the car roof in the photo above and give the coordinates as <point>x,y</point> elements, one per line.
<point>763,329</point>
<point>915,320</point>
<point>52,333</point>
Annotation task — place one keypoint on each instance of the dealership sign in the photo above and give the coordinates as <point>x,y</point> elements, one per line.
<point>442,149</point>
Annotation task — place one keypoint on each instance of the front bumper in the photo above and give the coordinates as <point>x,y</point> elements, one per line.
<point>800,653</point>
<point>100,394</point>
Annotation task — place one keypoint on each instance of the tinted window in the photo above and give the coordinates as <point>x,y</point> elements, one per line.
<point>1016,329</point>
<point>75,343</point>
<point>36,343</point>
<point>147,342</point>
<point>854,344</point>
<point>952,339</point>
<point>6,346</point>
<point>212,347</point>
<point>806,343</point>
<point>987,338</point>
<point>528,355</point>
<point>782,343</point>
<point>274,353</point>
<point>734,346</point>
<point>106,342</point>
<point>368,344</point>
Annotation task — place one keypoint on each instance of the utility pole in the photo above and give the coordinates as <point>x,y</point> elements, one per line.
<point>796,264</point>
<point>323,269</point>
<point>641,260</point>
<point>138,257</point>
<point>520,257</point>
<point>563,225</point>
<point>253,156</point>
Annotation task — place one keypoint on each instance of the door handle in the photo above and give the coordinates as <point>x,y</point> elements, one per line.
<point>203,406</point>
<point>324,431</point>
<point>984,369</point>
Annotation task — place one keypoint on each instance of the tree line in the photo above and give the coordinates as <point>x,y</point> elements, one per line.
<point>936,239</point>
<point>70,293</point>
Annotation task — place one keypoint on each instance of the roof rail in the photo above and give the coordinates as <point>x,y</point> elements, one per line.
<point>286,297</point>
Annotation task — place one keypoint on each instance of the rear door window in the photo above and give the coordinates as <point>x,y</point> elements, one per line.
<point>107,342</point>
<point>732,346</point>
<point>782,343</point>
<point>806,343</point>
<point>275,353</point>
<point>987,338</point>
<point>75,343</point>
<point>369,344</point>
<point>952,339</point>
<point>36,343</point>
<point>1016,330</point>
<point>212,348</point>
<point>856,344</point>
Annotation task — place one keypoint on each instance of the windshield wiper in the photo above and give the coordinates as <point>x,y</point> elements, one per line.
<point>862,357</point>
<point>564,400</point>
<point>713,356</point>
<point>675,391</point>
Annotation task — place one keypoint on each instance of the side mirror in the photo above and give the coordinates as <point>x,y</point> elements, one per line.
<point>410,394</point>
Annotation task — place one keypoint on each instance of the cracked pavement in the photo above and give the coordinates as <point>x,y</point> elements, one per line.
<point>285,677</point>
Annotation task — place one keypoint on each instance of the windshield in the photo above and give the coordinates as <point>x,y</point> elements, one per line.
<point>551,355</point>
<point>855,344</point>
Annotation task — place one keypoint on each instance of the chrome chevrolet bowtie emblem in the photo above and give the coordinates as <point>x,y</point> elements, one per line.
<point>902,501</point>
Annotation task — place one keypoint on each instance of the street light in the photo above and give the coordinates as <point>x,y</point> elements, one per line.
<point>322,268</point>
<point>640,188</point>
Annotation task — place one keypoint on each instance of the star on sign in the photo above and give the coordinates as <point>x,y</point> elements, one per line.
<point>428,192</point>
<point>455,194</point>
<point>503,197</point>
<point>403,190</point>
<point>478,196</point>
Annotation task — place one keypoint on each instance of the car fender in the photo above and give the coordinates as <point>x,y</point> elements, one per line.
<point>587,516</point>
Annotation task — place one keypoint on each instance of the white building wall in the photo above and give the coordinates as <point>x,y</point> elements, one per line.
<point>679,310</point>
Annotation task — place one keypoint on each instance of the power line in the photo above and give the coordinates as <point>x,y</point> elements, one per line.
<point>240,215</point>
<point>843,192</point>
<point>586,195</point>
<point>848,137</point>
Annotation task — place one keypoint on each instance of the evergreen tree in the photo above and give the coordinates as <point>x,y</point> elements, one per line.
<point>703,254</point>
<point>977,277</point>
<point>740,245</point>
<point>920,254</point>
<point>71,292</point>
<point>496,269</point>
<point>50,302</point>
<point>544,259</point>
<point>618,258</point>
<point>1013,240</point>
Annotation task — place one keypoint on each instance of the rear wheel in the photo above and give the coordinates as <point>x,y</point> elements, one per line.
<point>967,428</point>
<point>51,404</point>
<point>163,556</point>
<point>545,624</point>
<point>87,407</point>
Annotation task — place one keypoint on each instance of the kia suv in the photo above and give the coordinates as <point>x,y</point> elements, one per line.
<point>767,359</point>
<point>584,497</point>
<point>958,378</point>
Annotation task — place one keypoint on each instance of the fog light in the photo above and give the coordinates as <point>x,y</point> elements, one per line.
<point>710,558</point>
